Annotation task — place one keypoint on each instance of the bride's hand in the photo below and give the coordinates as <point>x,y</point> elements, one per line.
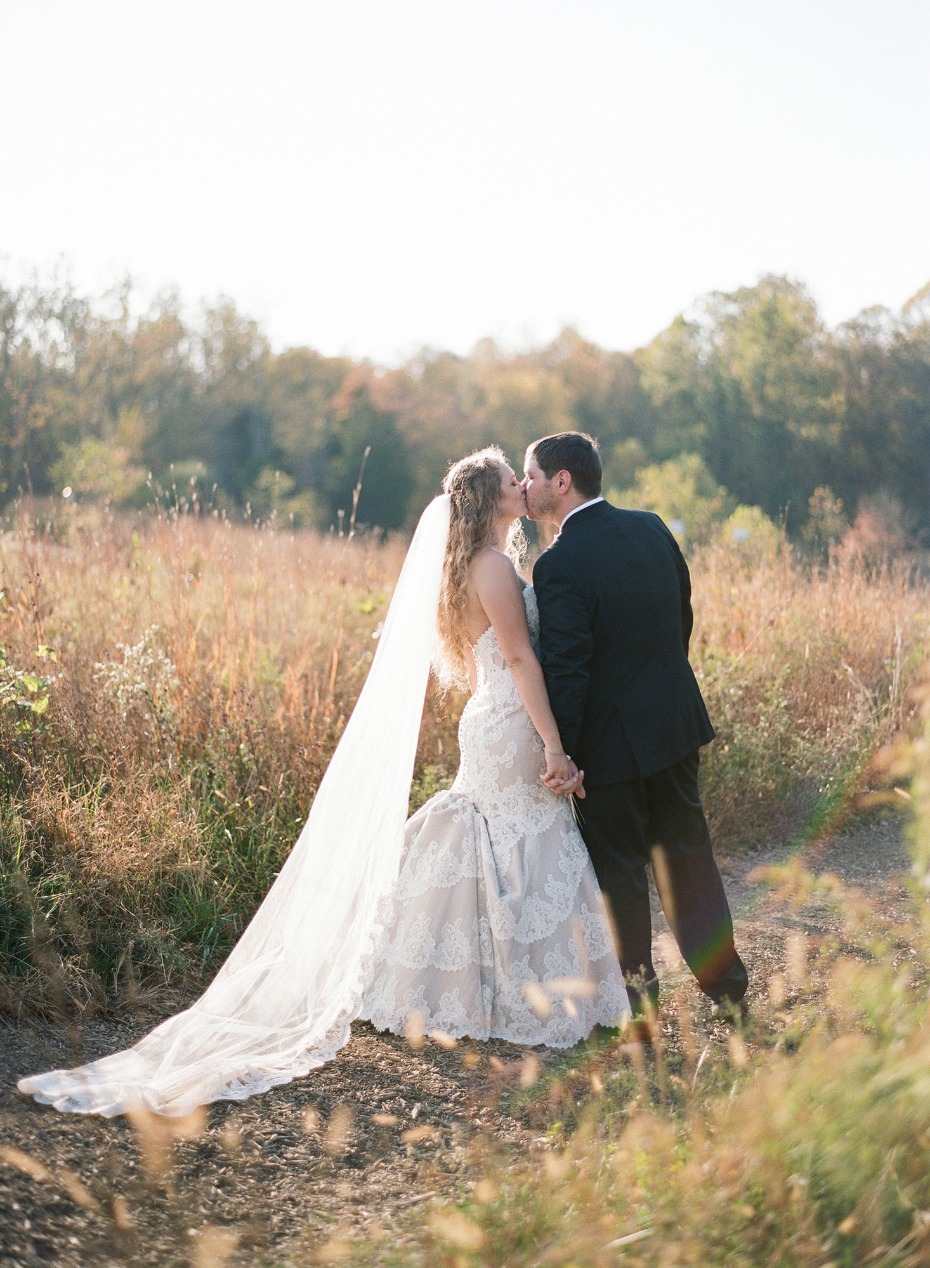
<point>559,768</point>
<point>562,775</point>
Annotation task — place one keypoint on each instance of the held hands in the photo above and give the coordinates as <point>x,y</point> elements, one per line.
<point>562,775</point>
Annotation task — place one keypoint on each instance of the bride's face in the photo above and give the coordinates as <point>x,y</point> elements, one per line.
<point>511,501</point>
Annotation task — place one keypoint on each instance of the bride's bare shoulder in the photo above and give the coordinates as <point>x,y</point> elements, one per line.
<point>492,564</point>
<point>493,575</point>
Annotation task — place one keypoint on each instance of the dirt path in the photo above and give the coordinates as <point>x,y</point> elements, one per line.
<point>354,1146</point>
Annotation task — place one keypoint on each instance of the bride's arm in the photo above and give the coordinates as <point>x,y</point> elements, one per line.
<point>500,593</point>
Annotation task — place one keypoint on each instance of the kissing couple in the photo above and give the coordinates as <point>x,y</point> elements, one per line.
<point>514,905</point>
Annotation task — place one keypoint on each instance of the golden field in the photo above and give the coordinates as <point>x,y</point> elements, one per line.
<point>172,688</point>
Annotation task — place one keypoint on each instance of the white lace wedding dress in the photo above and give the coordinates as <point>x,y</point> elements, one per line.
<point>497,927</point>
<point>481,913</point>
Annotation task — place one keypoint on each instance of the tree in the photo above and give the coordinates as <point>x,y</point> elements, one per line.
<point>100,472</point>
<point>604,391</point>
<point>882,407</point>
<point>683,492</point>
<point>749,383</point>
<point>746,382</point>
<point>300,386</point>
<point>438,405</point>
<point>386,477</point>
<point>163,393</point>
<point>677,382</point>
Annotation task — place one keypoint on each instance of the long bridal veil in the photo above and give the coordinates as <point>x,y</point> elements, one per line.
<point>285,998</point>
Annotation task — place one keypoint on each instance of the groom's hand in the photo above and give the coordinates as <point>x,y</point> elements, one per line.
<point>567,783</point>
<point>577,787</point>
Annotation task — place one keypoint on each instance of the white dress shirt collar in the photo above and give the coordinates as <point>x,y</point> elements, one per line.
<point>574,511</point>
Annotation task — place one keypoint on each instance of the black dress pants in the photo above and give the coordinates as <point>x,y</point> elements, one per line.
<point>659,820</point>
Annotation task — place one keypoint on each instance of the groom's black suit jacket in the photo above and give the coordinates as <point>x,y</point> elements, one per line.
<point>614,599</point>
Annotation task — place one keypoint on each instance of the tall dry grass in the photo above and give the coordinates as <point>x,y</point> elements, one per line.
<point>170,692</point>
<point>805,669</point>
<point>158,758</point>
<point>805,1139</point>
<point>203,673</point>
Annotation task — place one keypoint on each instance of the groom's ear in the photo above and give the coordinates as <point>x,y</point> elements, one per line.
<point>563,481</point>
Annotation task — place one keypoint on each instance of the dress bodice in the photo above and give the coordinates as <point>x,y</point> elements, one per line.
<point>501,756</point>
<point>493,678</point>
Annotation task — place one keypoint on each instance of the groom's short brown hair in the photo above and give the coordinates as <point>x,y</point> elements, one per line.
<point>574,452</point>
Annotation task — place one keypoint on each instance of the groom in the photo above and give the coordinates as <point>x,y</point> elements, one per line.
<point>614,599</point>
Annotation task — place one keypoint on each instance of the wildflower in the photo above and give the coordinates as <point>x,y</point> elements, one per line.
<point>145,673</point>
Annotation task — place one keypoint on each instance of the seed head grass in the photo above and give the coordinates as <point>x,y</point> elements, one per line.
<point>801,1136</point>
<point>197,676</point>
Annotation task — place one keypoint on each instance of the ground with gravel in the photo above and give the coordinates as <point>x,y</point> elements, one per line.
<point>355,1148</point>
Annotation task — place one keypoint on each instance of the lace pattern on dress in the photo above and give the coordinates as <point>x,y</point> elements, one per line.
<point>492,927</point>
<point>497,927</point>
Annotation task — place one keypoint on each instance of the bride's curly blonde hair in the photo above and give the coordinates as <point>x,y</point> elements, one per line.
<point>474,487</point>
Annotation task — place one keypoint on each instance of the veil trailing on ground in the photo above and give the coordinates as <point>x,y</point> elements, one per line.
<point>284,1000</point>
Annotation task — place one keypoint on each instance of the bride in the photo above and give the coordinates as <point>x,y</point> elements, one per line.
<point>480,916</point>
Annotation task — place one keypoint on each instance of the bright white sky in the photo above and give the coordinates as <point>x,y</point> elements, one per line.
<point>367,176</point>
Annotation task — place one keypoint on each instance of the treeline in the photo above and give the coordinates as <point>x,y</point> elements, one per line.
<point>749,401</point>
